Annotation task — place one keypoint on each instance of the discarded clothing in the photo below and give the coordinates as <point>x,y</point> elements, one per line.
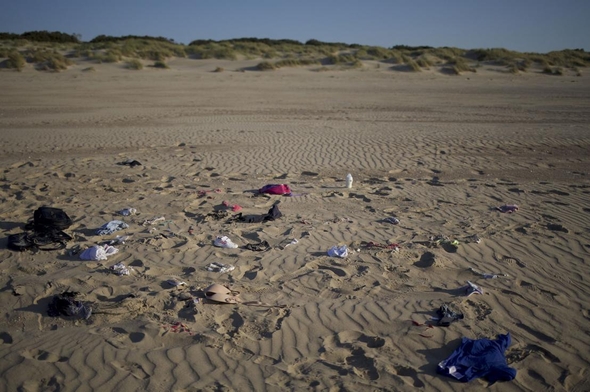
<point>479,358</point>
<point>153,221</point>
<point>259,247</point>
<point>273,213</point>
<point>508,208</point>
<point>446,316</point>
<point>276,189</point>
<point>392,219</point>
<point>98,252</point>
<point>338,251</point>
<point>120,269</point>
<point>65,304</point>
<point>111,227</point>
<point>128,211</point>
<point>130,162</point>
<point>234,207</point>
<point>472,289</point>
<point>224,242</point>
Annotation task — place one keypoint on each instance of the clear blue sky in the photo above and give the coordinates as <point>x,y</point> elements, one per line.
<point>522,25</point>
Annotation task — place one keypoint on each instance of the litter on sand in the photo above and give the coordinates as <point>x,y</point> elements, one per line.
<point>224,242</point>
<point>98,252</point>
<point>338,251</point>
<point>120,269</point>
<point>219,267</point>
<point>472,289</point>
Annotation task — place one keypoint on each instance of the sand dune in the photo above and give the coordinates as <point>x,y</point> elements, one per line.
<point>438,152</point>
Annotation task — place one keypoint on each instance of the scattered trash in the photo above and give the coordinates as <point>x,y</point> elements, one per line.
<point>224,242</point>
<point>488,276</point>
<point>349,180</point>
<point>234,207</point>
<point>128,211</point>
<point>120,269</point>
<point>446,316</point>
<point>175,282</point>
<point>219,267</point>
<point>177,327</point>
<point>120,239</point>
<point>479,358</point>
<point>393,220</point>
<point>98,252</point>
<point>371,244</point>
<point>223,294</point>
<point>191,230</point>
<point>276,189</point>
<point>111,227</point>
<point>259,247</point>
<point>65,304</point>
<point>153,221</point>
<point>508,208</point>
<point>338,251</point>
<point>474,238</point>
<point>130,162</point>
<point>472,289</point>
<point>294,241</point>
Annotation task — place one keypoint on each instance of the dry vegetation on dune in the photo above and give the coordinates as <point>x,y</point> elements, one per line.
<point>54,51</point>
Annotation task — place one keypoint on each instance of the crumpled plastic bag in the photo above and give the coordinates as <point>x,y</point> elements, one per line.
<point>338,251</point>
<point>98,252</point>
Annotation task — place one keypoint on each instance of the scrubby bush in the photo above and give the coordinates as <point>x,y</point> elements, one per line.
<point>295,62</point>
<point>48,60</point>
<point>134,64</point>
<point>161,64</point>
<point>15,60</point>
<point>266,66</point>
<point>459,64</point>
<point>412,65</point>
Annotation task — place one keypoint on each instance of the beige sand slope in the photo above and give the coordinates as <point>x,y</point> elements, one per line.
<point>438,152</point>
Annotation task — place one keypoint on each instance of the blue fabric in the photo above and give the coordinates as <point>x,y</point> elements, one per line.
<point>479,358</point>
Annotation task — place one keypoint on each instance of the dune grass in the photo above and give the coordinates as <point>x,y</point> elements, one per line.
<point>15,60</point>
<point>134,64</point>
<point>48,60</point>
<point>46,50</point>
<point>266,66</point>
<point>161,65</point>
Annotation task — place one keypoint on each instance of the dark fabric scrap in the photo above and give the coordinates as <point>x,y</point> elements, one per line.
<point>65,304</point>
<point>479,358</point>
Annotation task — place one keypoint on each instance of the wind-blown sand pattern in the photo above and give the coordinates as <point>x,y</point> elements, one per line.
<point>438,152</point>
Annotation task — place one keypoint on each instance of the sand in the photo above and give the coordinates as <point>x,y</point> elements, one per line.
<point>438,152</point>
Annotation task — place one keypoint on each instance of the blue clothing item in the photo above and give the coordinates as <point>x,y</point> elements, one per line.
<point>479,358</point>
<point>111,227</point>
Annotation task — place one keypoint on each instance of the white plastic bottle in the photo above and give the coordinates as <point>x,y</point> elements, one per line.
<point>349,180</point>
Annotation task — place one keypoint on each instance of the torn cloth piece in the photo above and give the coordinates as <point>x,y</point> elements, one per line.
<point>479,358</point>
<point>111,227</point>
<point>98,252</point>
<point>65,304</point>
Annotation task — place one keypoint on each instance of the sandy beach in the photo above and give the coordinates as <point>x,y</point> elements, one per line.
<point>435,151</point>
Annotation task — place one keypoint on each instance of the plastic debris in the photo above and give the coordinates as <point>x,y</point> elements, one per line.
<point>219,267</point>
<point>120,269</point>
<point>338,251</point>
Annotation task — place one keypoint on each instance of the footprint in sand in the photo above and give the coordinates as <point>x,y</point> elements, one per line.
<point>510,260</point>
<point>135,369</point>
<point>406,371</point>
<point>519,354</point>
<point>363,366</point>
<point>6,338</point>
<point>44,356</point>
